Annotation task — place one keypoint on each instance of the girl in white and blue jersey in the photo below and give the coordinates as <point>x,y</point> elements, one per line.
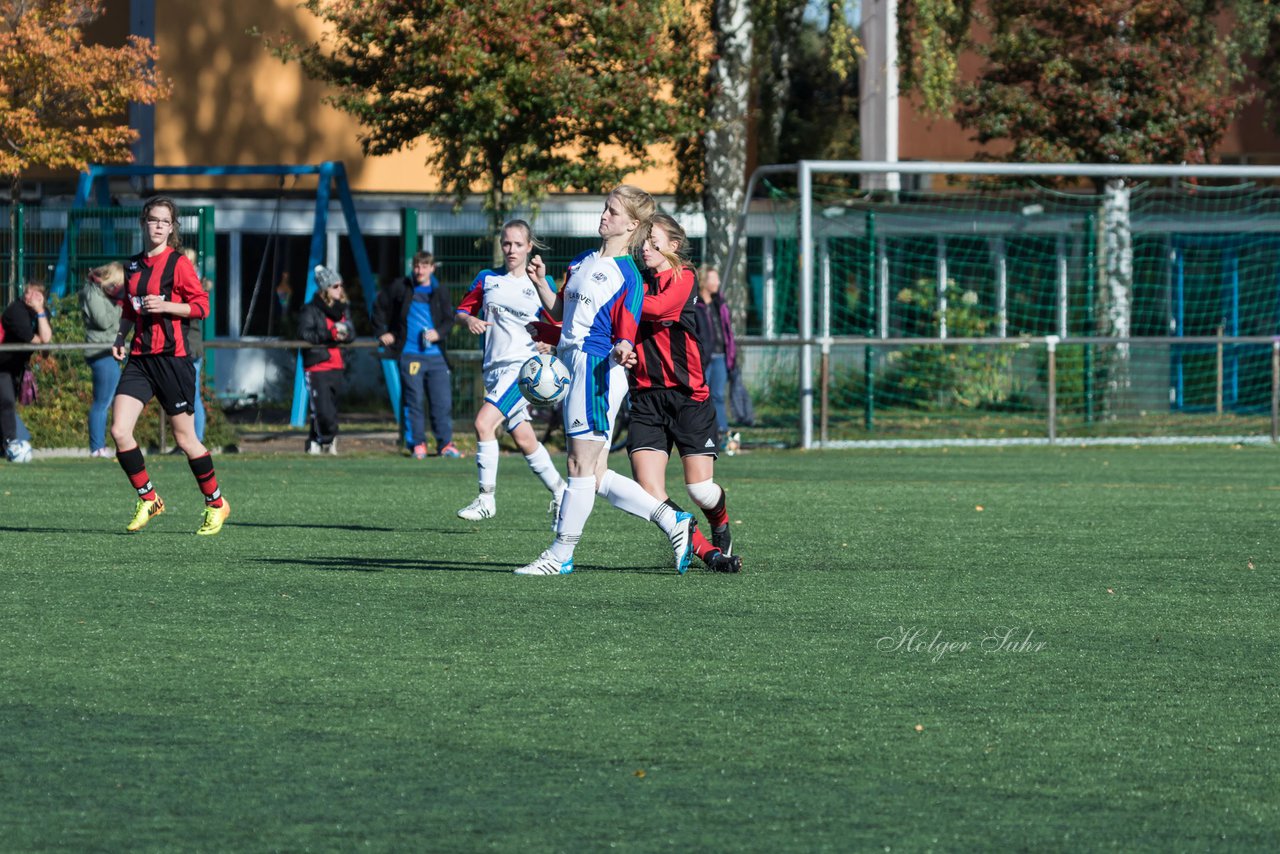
<point>500,304</point>
<point>600,308</point>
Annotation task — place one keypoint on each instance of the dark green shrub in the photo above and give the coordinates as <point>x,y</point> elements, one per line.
<point>59,417</point>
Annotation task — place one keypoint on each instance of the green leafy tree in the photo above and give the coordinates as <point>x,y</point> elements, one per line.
<point>1093,81</point>
<point>515,97</point>
<point>784,76</point>
<point>931,34</point>
<point>63,103</point>
<point>1257,28</point>
<point>1105,81</point>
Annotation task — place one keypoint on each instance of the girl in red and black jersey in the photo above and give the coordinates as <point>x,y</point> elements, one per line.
<point>670,403</point>
<point>324,322</point>
<point>162,293</point>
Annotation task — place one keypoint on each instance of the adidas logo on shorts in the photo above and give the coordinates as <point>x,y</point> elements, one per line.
<point>710,444</point>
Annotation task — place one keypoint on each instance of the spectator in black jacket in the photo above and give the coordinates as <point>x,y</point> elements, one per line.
<point>25,321</point>
<point>412,317</point>
<point>324,322</point>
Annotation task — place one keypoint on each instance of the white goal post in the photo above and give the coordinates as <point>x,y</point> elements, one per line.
<point>813,338</point>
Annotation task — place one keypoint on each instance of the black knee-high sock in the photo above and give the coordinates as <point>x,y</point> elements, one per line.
<point>202,468</point>
<point>135,468</point>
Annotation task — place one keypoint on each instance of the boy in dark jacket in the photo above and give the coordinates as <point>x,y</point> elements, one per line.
<point>412,317</point>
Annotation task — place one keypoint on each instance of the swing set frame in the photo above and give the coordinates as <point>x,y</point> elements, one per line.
<point>332,177</point>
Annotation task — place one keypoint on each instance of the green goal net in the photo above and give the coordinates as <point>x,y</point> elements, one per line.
<point>1016,310</point>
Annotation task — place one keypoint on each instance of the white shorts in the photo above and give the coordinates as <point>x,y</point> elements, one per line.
<point>596,392</point>
<point>501,390</point>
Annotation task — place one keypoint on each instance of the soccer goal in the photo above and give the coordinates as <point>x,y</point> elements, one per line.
<point>1014,303</point>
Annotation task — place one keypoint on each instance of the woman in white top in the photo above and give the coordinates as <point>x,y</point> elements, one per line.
<point>600,308</point>
<point>500,304</point>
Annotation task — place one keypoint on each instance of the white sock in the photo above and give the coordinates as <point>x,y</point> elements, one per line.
<point>540,462</point>
<point>574,510</point>
<point>487,466</point>
<point>627,495</point>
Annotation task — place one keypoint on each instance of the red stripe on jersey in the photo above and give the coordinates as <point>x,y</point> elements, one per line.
<point>174,278</point>
<point>332,362</point>
<point>667,342</point>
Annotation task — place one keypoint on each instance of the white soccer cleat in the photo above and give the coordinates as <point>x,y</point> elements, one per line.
<point>479,509</point>
<point>682,541</point>
<point>547,564</point>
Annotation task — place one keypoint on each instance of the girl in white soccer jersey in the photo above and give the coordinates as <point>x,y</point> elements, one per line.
<point>600,306</point>
<point>500,304</point>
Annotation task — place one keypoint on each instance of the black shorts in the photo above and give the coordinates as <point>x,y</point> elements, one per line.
<point>661,418</point>
<point>169,379</point>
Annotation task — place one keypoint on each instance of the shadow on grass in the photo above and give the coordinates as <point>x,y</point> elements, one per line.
<point>312,525</point>
<point>368,564</point>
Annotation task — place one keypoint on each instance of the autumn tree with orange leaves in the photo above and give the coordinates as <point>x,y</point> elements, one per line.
<point>63,103</point>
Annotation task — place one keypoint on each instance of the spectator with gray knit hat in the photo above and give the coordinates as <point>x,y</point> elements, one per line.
<point>324,322</point>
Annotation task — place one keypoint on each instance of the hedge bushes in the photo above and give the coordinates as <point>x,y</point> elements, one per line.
<point>59,418</point>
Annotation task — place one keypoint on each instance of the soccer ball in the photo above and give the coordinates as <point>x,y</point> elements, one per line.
<point>18,451</point>
<point>543,380</point>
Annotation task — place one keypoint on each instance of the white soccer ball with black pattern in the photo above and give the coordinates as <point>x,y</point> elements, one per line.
<point>18,451</point>
<point>543,380</point>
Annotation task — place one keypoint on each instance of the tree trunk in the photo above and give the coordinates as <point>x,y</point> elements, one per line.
<point>775,86</point>
<point>1116,317</point>
<point>726,148</point>
<point>497,207</point>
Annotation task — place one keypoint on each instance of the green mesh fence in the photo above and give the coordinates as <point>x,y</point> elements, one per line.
<point>93,236</point>
<point>1000,268</point>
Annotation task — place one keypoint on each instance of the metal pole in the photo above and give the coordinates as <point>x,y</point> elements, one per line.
<point>882,300</point>
<point>806,304</point>
<point>408,237</point>
<point>876,310</point>
<point>1002,287</point>
<point>770,288</point>
<point>941,266</point>
<point>824,405</point>
<point>1217,396</point>
<point>319,234</point>
<point>1090,277</point>
<point>1051,341</point>
<point>1063,331</point>
<point>207,247</point>
<point>773,169</point>
<point>1275,391</point>
<point>1178,328</point>
<point>20,241</point>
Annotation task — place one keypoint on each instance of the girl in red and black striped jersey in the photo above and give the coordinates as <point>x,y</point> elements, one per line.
<point>670,402</point>
<point>162,294</point>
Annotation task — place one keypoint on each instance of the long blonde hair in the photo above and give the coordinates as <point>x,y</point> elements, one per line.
<point>641,207</point>
<point>110,275</point>
<point>679,259</point>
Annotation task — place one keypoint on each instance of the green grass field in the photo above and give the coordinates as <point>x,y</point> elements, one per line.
<point>349,666</point>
